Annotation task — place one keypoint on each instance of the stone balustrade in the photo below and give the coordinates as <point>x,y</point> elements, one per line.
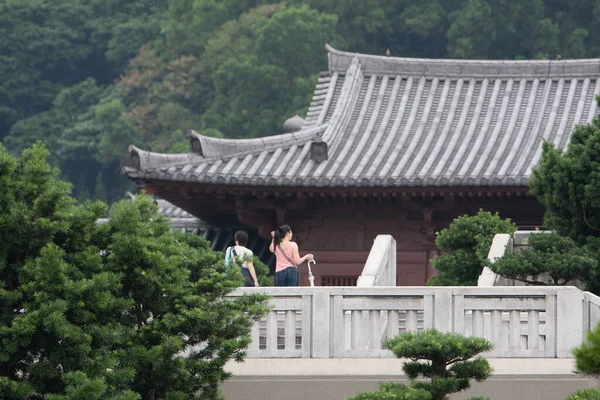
<point>380,268</point>
<point>338,322</point>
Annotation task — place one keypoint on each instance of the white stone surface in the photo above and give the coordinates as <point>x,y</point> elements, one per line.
<point>380,268</point>
<point>353,322</point>
<point>385,366</point>
<point>501,243</point>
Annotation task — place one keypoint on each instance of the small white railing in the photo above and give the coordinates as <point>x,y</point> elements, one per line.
<point>380,268</point>
<point>334,322</point>
<point>501,244</point>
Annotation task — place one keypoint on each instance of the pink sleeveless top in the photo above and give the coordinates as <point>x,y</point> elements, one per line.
<point>282,262</point>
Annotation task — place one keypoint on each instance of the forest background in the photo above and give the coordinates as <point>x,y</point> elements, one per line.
<point>90,77</point>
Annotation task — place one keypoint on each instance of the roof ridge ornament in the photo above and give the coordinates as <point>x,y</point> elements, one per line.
<point>134,156</point>
<point>318,150</point>
<point>195,143</point>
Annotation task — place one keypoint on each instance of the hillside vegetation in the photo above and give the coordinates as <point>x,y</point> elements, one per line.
<point>89,77</point>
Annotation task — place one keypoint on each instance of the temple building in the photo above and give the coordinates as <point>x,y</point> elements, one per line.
<point>389,145</point>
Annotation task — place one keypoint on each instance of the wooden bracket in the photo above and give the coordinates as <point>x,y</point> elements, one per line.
<point>429,224</point>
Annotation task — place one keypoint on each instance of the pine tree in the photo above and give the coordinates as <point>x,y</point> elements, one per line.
<point>120,311</point>
<point>438,364</point>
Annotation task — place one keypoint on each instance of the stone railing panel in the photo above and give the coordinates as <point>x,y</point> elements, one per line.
<point>286,330</point>
<point>362,323</point>
<point>337,322</point>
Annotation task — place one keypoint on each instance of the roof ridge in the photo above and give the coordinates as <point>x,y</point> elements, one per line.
<point>222,148</point>
<point>206,148</point>
<point>143,159</point>
<point>340,60</point>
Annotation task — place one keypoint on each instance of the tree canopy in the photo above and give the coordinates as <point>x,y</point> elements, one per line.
<point>550,259</point>
<point>89,77</point>
<point>120,311</point>
<point>567,183</point>
<point>466,243</point>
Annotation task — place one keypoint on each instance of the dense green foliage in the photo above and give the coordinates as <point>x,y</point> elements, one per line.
<point>89,77</point>
<point>119,311</point>
<point>550,259</point>
<point>567,183</point>
<point>440,364</point>
<point>587,361</point>
<point>466,243</point>
<point>585,394</point>
<point>587,356</point>
<point>394,391</point>
<point>261,269</point>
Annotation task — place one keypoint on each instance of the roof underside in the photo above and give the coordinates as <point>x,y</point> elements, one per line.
<point>391,122</point>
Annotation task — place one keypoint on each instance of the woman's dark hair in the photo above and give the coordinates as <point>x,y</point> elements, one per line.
<point>241,237</point>
<point>280,233</point>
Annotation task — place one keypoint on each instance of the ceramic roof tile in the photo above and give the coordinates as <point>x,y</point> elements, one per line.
<point>392,122</point>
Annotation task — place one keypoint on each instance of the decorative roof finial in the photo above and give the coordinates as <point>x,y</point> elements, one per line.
<point>293,124</point>
<point>318,150</point>
<point>195,143</point>
<point>134,157</point>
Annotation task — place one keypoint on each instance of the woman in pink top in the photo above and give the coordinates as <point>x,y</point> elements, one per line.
<point>287,256</point>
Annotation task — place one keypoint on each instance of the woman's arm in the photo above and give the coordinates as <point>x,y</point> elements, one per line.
<point>252,273</point>
<point>271,246</point>
<point>299,260</point>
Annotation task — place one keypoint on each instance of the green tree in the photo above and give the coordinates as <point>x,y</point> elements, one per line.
<point>585,394</point>
<point>293,39</point>
<point>365,25</point>
<point>567,183</point>
<point>466,243</point>
<point>118,30</point>
<point>471,33</point>
<point>42,47</point>
<point>120,311</point>
<point>547,42</point>
<point>440,364</point>
<point>256,91</point>
<point>587,356</point>
<point>550,259</point>
<point>87,133</point>
<point>52,312</point>
<point>587,361</point>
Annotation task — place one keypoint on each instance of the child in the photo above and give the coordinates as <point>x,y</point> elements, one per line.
<point>243,254</point>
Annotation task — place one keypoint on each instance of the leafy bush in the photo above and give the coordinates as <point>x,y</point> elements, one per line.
<point>558,257</point>
<point>585,394</point>
<point>466,242</point>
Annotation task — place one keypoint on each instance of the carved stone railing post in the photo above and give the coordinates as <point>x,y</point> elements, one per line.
<point>443,311</point>
<point>321,322</point>
<point>569,321</point>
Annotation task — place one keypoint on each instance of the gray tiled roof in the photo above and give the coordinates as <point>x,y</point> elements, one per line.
<point>391,122</point>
